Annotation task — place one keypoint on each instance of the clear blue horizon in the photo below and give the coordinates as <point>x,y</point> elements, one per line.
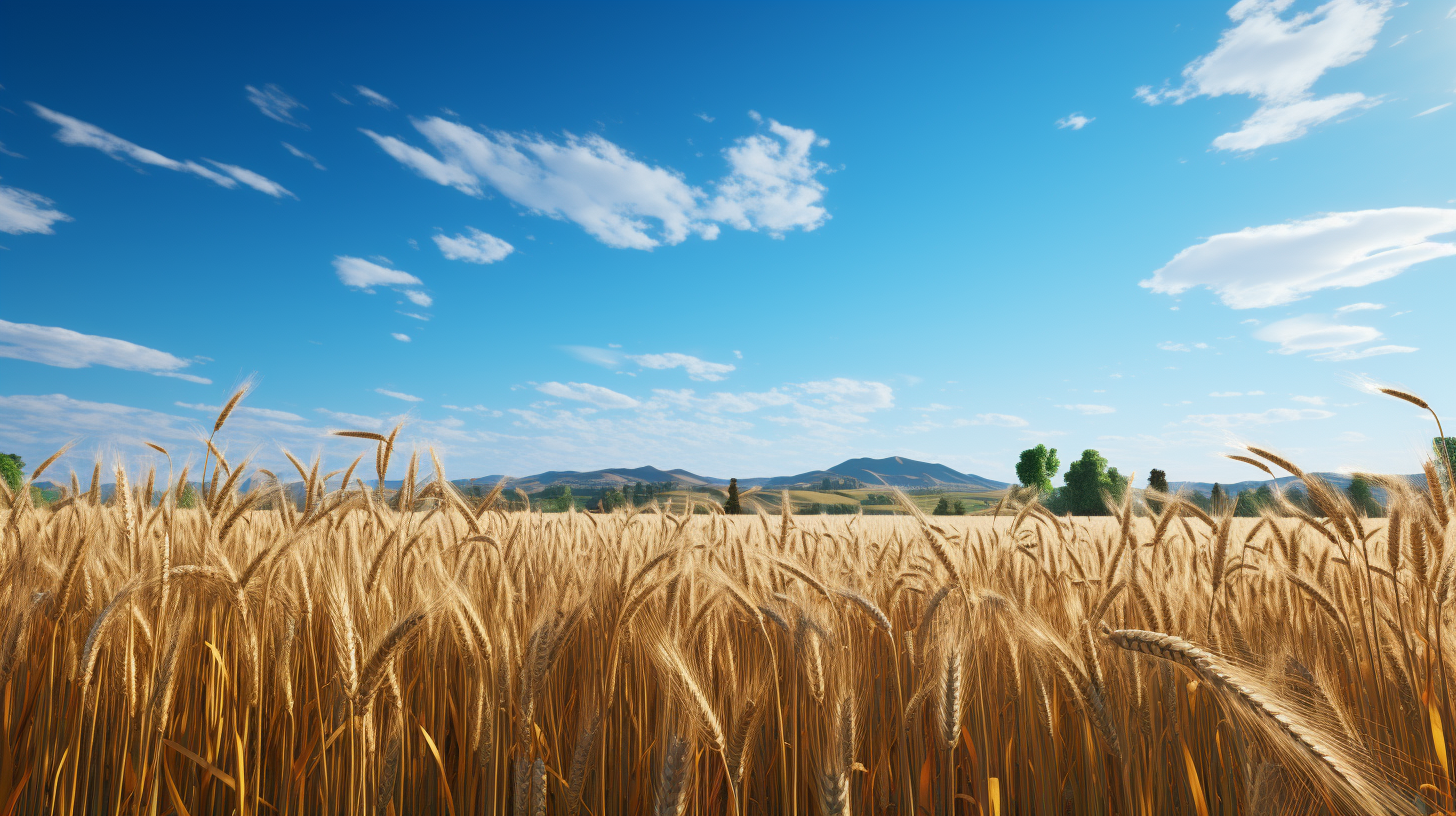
<point>737,239</point>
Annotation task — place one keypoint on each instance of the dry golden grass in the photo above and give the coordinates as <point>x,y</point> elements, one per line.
<point>348,657</point>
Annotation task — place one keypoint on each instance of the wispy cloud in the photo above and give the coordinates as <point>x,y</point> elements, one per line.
<point>399,395</point>
<point>588,393</point>
<point>1433,110</point>
<point>375,98</point>
<point>64,348</point>
<point>1309,400</point>
<point>1330,341</point>
<point>400,336</point>
<point>358,273</point>
<point>275,104</point>
<point>243,410</point>
<point>84,134</point>
<point>1360,307</point>
<point>1277,264</point>
<point>477,247</point>
<point>1236,394</point>
<point>1277,60</point>
<point>696,369</point>
<point>22,211</point>
<point>1262,418</point>
<point>998,420</point>
<point>1169,345</point>
<point>1089,410</point>
<point>617,198</point>
<point>302,155</point>
<point>1075,121</point>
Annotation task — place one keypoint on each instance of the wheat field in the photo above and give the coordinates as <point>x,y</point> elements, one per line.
<point>418,653</point>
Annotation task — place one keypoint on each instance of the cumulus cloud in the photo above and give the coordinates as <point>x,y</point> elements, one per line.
<point>1089,410</point>
<point>64,348</point>
<point>617,198</point>
<point>84,134</point>
<point>375,98</point>
<point>1272,265</point>
<point>696,369</point>
<point>275,104</point>
<point>588,393</point>
<point>302,155</point>
<point>1262,418</point>
<point>1169,345</point>
<point>477,247</point>
<point>1277,60</point>
<point>398,395</point>
<point>22,211</point>
<point>1075,121</point>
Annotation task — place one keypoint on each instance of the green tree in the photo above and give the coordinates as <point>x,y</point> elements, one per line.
<point>1086,479</point>
<point>1362,498</point>
<point>1246,504</point>
<point>732,506</point>
<point>958,509</point>
<point>824,484</point>
<point>1037,467</point>
<point>1157,480</point>
<point>942,508</point>
<point>1218,498</point>
<point>1445,448</point>
<point>188,497</point>
<point>12,470</point>
<point>1115,484</point>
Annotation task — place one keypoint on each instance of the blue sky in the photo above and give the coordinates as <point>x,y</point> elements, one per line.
<point>739,239</point>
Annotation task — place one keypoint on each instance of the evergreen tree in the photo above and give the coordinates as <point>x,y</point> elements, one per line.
<point>824,484</point>
<point>942,508</point>
<point>732,507</point>
<point>188,497</point>
<point>1218,498</point>
<point>1246,504</point>
<point>1037,467</point>
<point>958,509</point>
<point>1445,448</point>
<point>1157,480</point>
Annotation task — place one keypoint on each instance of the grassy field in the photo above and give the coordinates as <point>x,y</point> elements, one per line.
<point>771,501</point>
<point>351,657</point>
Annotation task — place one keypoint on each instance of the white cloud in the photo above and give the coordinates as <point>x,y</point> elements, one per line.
<point>588,393</point>
<point>375,98</point>
<point>606,358</point>
<point>1262,418</point>
<point>84,134</point>
<point>22,211</point>
<point>1309,400</point>
<point>302,155</point>
<point>705,117</point>
<point>1226,394</point>
<point>425,318</point>
<point>773,184</point>
<point>1275,124</point>
<point>426,165</point>
<point>617,198</point>
<point>1277,61</point>
<point>1314,333</point>
<point>1372,351</point>
<point>1089,410</point>
<point>999,420</point>
<point>1272,265</point>
<point>245,410</point>
<point>357,421</point>
<point>1360,307</point>
<point>478,248</point>
<point>933,407</point>
<point>1075,121</point>
<point>1169,345</point>
<point>696,369</point>
<point>1433,110</point>
<point>254,180</point>
<point>398,395</point>
<point>365,275</point>
<point>63,348</point>
<point>275,104</point>
<point>401,337</point>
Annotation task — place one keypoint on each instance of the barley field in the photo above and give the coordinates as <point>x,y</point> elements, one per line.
<point>416,653</point>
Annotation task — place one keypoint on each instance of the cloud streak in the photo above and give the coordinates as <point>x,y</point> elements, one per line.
<point>64,348</point>
<point>22,211</point>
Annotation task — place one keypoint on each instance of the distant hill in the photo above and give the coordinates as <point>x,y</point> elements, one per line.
<point>902,472</point>
<point>1339,481</point>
